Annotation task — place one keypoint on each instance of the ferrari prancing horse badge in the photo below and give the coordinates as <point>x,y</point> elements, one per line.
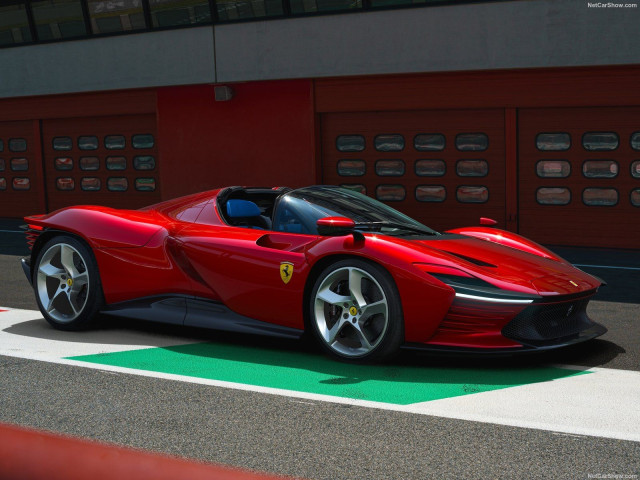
<point>286,271</point>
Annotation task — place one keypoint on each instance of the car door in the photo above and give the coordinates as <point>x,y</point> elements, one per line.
<point>256,273</point>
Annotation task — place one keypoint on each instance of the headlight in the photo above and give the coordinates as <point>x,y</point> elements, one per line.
<point>469,287</point>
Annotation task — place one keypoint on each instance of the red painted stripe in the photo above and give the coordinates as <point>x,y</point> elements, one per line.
<point>31,454</point>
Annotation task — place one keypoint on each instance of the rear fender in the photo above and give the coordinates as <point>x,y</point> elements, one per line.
<point>102,227</point>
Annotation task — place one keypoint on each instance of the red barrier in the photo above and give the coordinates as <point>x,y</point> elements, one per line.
<point>34,455</point>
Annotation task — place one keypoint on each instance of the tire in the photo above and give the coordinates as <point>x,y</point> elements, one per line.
<point>355,312</point>
<point>67,284</point>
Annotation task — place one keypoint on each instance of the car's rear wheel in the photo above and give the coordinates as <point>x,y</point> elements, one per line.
<point>67,284</point>
<point>355,311</point>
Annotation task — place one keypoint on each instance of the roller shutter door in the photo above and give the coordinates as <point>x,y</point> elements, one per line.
<point>111,161</point>
<point>444,168</point>
<point>21,180</point>
<point>579,176</point>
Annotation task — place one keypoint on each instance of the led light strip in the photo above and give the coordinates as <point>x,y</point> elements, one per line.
<point>493,299</point>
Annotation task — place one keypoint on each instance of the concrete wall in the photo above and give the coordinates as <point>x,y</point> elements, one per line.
<point>494,35</point>
<point>498,35</point>
<point>173,57</point>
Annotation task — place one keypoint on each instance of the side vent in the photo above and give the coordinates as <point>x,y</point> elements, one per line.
<point>182,260</point>
<point>475,261</point>
<point>32,233</point>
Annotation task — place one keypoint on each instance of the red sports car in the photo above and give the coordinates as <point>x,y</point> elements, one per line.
<point>361,277</point>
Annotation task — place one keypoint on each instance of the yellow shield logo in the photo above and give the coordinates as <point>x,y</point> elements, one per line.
<point>286,271</point>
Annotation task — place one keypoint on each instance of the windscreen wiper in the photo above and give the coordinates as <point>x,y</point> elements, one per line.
<point>402,226</point>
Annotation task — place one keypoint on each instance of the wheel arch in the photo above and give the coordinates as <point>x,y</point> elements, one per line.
<point>49,234</point>
<point>323,263</point>
<point>424,304</point>
<point>83,314</point>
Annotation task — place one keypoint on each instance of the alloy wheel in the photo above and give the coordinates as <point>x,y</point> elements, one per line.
<point>351,312</point>
<point>62,282</point>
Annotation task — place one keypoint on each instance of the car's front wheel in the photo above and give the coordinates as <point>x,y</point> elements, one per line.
<point>67,284</point>
<point>355,311</point>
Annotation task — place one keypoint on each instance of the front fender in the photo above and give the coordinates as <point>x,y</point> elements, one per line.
<point>508,239</point>
<point>425,301</point>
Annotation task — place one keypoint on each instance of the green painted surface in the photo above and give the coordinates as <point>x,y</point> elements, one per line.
<point>312,373</point>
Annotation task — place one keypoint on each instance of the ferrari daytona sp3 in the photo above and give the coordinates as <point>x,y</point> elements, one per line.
<point>364,279</point>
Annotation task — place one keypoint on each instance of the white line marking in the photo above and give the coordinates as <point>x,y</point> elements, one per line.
<point>567,435</point>
<point>606,266</point>
<point>565,420</point>
<point>603,403</point>
<point>26,331</point>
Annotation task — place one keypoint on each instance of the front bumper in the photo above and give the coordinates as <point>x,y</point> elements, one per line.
<point>492,325</point>
<point>594,331</point>
<point>553,324</point>
<point>26,268</point>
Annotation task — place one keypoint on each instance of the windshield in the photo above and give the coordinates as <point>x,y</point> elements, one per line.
<point>299,210</point>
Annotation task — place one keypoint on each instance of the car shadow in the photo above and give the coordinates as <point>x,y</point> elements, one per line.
<point>409,370</point>
<point>594,353</point>
<point>187,346</point>
<point>299,366</point>
<point>407,367</point>
<point>116,332</point>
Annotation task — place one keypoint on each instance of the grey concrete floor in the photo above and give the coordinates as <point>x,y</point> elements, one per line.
<point>313,439</point>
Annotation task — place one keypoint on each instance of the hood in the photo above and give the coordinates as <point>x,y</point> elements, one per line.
<point>508,268</point>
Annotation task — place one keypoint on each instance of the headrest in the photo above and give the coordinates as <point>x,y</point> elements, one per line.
<point>242,209</point>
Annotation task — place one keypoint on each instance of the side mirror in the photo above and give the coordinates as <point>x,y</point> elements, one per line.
<point>489,222</point>
<point>338,227</point>
<point>335,226</point>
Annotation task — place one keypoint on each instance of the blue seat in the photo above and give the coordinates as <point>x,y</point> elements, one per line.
<point>242,209</point>
<point>244,213</point>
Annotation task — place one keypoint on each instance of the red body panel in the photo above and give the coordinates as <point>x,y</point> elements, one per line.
<point>244,275</point>
<point>183,247</point>
<point>103,227</point>
<point>425,300</point>
<point>129,273</point>
<point>508,239</point>
<point>471,323</point>
<point>523,270</point>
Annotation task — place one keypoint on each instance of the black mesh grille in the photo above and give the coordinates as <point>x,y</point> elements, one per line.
<point>543,323</point>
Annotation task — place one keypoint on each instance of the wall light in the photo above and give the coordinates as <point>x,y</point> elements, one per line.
<point>223,93</point>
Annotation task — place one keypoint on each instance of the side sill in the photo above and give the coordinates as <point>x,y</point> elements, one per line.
<point>196,312</point>
<point>207,314</point>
